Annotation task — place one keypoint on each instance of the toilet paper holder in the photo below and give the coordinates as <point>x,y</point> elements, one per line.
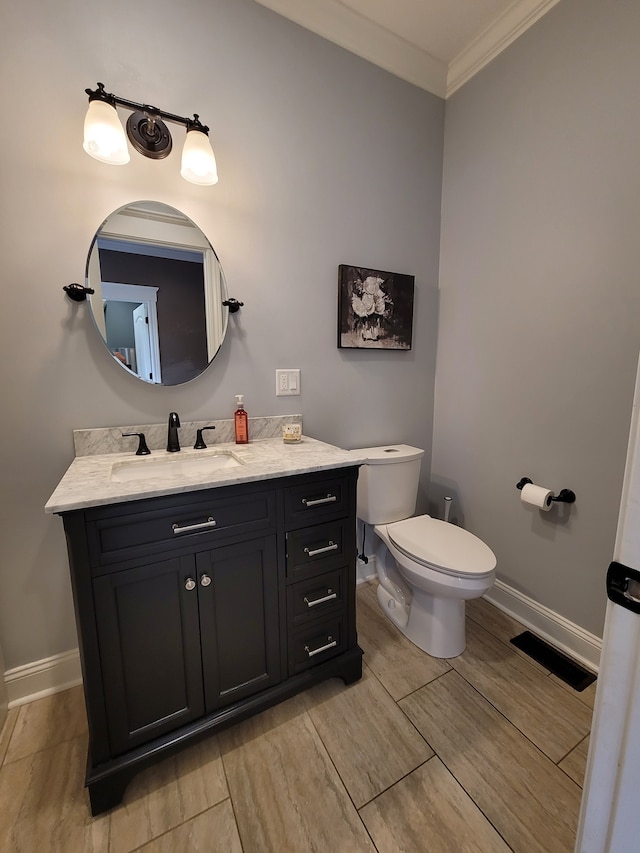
<point>565,496</point>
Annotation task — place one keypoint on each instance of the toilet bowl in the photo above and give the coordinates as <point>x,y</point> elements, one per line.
<point>441,566</point>
<point>426,568</point>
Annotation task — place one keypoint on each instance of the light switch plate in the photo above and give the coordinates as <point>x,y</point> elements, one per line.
<point>288,382</point>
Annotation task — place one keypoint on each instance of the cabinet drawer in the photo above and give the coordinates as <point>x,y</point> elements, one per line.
<point>316,500</point>
<point>315,597</point>
<point>316,642</point>
<point>316,549</point>
<point>114,536</point>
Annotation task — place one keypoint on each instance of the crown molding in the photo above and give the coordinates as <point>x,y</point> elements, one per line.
<point>357,34</point>
<point>502,32</point>
<point>338,23</point>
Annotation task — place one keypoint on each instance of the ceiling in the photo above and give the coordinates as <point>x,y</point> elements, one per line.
<point>435,44</point>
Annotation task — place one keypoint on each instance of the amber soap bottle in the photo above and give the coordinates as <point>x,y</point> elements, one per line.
<point>241,422</point>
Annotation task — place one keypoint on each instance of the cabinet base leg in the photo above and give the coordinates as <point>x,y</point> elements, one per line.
<point>351,670</point>
<point>105,794</point>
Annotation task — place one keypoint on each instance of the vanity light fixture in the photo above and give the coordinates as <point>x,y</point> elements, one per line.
<point>105,140</point>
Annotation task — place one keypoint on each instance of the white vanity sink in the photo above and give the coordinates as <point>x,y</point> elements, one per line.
<point>173,466</point>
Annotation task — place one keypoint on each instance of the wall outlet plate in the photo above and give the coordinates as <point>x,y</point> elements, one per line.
<point>288,382</point>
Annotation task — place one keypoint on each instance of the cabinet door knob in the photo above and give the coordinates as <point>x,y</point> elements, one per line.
<point>205,580</point>
<point>190,584</point>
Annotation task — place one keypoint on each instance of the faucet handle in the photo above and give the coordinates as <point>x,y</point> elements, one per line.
<point>142,450</point>
<point>200,445</point>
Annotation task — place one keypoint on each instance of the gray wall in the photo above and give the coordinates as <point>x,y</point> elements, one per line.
<point>323,159</point>
<point>538,332</point>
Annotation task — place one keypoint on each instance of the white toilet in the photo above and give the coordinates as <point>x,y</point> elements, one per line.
<point>426,568</point>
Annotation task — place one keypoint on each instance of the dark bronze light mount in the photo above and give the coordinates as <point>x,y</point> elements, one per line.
<point>104,137</point>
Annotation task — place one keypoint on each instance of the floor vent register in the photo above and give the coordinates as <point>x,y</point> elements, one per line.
<point>560,665</point>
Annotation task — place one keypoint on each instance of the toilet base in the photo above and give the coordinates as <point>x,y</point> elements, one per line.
<point>435,625</point>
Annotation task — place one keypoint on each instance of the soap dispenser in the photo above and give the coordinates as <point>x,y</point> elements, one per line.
<point>241,422</point>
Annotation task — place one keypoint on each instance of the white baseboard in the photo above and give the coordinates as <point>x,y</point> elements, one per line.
<point>43,677</point>
<point>564,635</point>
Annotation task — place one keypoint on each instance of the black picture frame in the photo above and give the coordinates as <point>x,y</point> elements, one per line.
<point>375,309</point>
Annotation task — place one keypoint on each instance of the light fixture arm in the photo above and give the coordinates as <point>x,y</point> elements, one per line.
<point>152,112</point>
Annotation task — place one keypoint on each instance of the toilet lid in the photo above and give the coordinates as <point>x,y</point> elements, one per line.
<point>443,546</point>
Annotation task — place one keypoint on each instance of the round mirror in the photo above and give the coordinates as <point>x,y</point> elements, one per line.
<point>158,293</point>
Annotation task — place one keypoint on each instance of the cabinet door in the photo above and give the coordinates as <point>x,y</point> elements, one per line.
<point>147,619</point>
<point>238,598</point>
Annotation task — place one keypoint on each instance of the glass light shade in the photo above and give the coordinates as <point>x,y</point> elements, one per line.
<point>104,136</point>
<point>198,161</point>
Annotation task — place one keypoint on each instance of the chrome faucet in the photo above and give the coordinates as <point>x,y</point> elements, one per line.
<point>173,444</point>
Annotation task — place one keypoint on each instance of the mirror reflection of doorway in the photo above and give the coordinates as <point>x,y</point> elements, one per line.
<point>131,327</point>
<point>178,277</point>
<point>150,244</point>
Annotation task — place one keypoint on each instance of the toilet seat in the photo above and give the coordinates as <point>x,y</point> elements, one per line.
<point>442,546</point>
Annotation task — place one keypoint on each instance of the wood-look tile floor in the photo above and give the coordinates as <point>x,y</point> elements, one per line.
<point>485,752</point>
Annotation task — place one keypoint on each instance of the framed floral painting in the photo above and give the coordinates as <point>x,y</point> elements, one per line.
<point>375,309</point>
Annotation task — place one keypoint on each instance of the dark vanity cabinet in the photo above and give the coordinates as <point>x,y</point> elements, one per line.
<point>199,609</point>
<point>184,636</point>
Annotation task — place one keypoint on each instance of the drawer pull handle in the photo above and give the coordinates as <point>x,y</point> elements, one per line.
<point>330,644</point>
<point>189,528</point>
<point>205,580</point>
<point>324,598</point>
<point>189,584</point>
<point>317,501</point>
<point>330,547</point>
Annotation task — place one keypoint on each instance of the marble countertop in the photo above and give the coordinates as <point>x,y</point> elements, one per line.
<point>89,480</point>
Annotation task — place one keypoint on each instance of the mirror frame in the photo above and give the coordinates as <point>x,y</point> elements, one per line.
<point>158,230</point>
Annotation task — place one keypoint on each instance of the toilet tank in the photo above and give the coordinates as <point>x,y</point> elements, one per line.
<point>388,483</point>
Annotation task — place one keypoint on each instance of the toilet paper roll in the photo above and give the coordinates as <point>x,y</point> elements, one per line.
<point>536,496</point>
